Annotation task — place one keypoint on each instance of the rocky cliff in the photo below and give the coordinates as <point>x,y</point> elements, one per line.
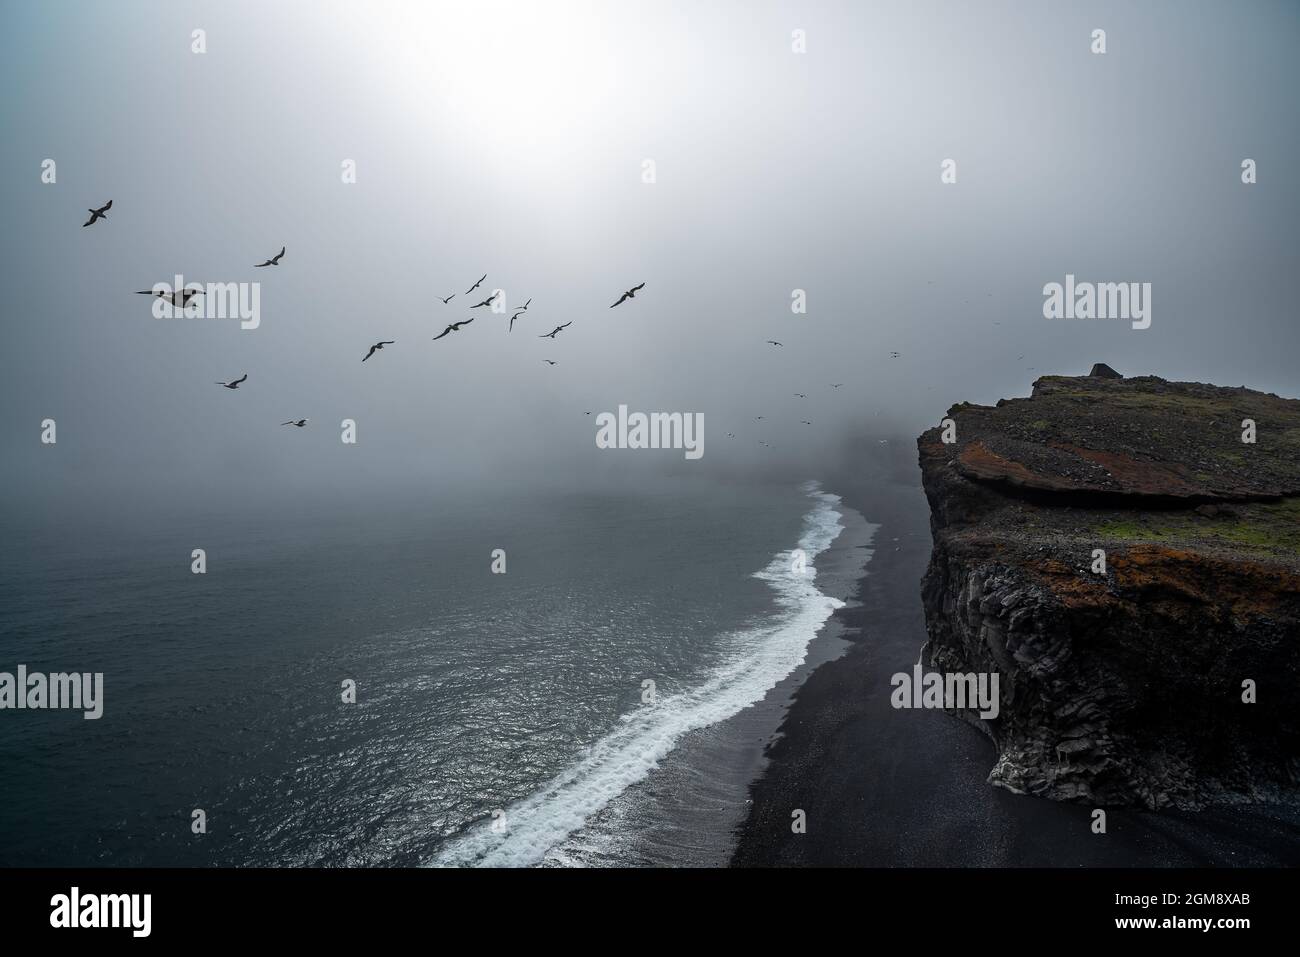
<point>1129,563</point>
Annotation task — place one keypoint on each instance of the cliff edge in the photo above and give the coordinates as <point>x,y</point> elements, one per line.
<point>1127,559</point>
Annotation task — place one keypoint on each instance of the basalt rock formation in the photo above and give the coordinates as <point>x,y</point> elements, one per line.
<point>1124,675</point>
<point>1102,371</point>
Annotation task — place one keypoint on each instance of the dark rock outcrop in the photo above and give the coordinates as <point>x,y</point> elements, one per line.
<point>1124,685</point>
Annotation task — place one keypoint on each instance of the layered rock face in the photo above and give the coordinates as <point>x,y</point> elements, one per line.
<point>1122,679</point>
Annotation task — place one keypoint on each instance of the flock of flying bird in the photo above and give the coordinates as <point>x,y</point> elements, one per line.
<point>456,326</point>
<point>182,297</point>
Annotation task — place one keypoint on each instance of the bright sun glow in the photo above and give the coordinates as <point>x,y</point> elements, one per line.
<point>518,70</point>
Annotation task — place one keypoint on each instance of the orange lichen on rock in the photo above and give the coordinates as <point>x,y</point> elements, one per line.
<point>978,461</point>
<point>1068,585</point>
<point>1143,478</point>
<point>1243,587</point>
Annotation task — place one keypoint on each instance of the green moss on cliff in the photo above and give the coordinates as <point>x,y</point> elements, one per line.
<point>1272,528</point>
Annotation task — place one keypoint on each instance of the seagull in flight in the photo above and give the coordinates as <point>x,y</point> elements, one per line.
<point>487,301</point>
<point>805,422</point>
<point>513,318</point>
<point>524,307</point>
<point>448,299</point>
<point>97,214</point>
<point>757,417</point>
<point>298,422</point>
<point>549,362</point>
<point>273,261</point>
<point>551,334</point>
<point>185,295</point>
<point>836,385</point>
<point>454,327</point>
<point>234,383</point>
<point>773,342</point>
<point>800,395</point>
<point>628,295</point>
<point>376,347</point>
<point>894,355</point>
<point>476,285</point>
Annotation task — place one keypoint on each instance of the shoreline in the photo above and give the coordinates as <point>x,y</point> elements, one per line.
<point>686,812</point>
<point>887,788</point>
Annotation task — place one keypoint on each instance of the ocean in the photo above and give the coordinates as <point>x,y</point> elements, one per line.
<point>603,701</point>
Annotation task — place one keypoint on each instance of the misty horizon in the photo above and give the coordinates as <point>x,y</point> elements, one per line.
<point>515,146</point>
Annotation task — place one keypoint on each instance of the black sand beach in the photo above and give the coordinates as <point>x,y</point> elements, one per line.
<point>907,788</point>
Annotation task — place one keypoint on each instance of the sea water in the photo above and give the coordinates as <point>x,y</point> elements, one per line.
<point>499,718</point>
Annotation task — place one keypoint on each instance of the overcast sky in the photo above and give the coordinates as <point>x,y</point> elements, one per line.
<point>510,138</point>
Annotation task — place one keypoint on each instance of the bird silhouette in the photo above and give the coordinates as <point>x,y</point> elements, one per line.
<point>98,214</point>
<point>628,295</point>
<point>376,347</point>
<point>448,299</point>
<point>512,320</point>
<point>273,261</point>
<point>549,362</point>
<point>234,383</point>
<point>486,302</point>
<point>298,422</point>
<point>773,342</point>
<point>476,285</point>
<point>185,294</point>
<point>454,327</point>
<point>551,334</point>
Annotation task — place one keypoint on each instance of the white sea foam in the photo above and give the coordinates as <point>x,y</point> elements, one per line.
<point>764,655</point>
